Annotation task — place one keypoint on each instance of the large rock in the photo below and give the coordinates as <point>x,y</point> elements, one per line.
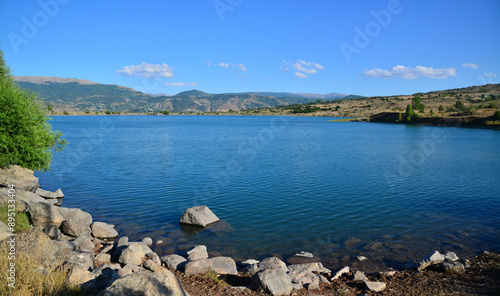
<point>50,195</point>
<point>82,260</point>
<point>78,276</point>
<point>134,253</point>
<point>452,267</point>
<point>77,222</point>
<point>23,199</point>
<point>273,281</point>
<point>224,265</point>
<point>305,278</point>
<point>201,266</point>
<point>201,216</point>
<point>268,263</point>
<point>22,178</point>
<point>197,253</point>
<point>432,259</point>
<point>312,267</point>
<point>341,272</point>
<point>103,231</point>
<point>40,248</point>
<point>146,283</point>
<point>44,215</point>
<point>174,261</point>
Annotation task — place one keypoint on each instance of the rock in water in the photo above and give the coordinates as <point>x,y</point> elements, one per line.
<point>434,258</point>
<point>201,216</point>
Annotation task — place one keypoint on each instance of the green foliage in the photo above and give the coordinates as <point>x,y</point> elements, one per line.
<point>65,112</point>
<point>497,115</point>
<point>26,138</point>
<point>416,104</point>
<point>50,108</point>
<point>409,113</point>
<point>108,112</point>
<point>400,116</point>
<point>432,112</point>
<point>166,112</point>
<point>459,105</point>
<point>441,108</point>
<point>87,112</point>
<point>304,109</point>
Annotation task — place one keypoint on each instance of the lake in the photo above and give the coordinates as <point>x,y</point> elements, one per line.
<point>285,184</point>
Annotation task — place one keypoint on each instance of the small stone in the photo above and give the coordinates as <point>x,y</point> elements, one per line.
<point>340,273</point>
<point>452,267</point>
<point>361,258</point>
<point>148,241</point>
<point>451,256</point>
<point>388,273</point>
<point>375,286</point>
<point>359,276</point>
<point>159,242</point>
<point>434,258</point>
<point>174,261</point>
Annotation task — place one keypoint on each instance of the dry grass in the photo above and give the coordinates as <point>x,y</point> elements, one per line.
<point>29,281</point>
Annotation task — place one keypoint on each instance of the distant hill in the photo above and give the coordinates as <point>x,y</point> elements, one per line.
<point>77,95</point>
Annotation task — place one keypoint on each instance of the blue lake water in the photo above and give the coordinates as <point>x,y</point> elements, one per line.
<point>285,184</point>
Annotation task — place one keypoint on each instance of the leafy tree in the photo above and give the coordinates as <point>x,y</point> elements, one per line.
<point>416,104</point>
<point>50,108</point>
<point>459,105</point>
<point>26,137</point>
<point>441,108</point>
<point>409,113</point>
<point>497,115</point>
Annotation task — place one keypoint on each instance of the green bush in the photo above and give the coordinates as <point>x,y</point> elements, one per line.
<point>409,113</point>
<point>26,137</point>
<point>497,115</point>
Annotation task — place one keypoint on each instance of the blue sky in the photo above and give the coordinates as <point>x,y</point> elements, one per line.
<point>355,47</point>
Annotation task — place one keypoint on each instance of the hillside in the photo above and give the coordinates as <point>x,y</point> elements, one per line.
<point>77,96</point>
<point>470,106</point>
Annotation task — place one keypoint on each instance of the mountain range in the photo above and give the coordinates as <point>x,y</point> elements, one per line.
<point>77,95</point>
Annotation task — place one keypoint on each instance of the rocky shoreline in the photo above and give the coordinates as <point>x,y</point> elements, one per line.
<point>101,263</point>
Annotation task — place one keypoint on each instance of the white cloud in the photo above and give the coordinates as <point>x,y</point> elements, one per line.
<point>411,73</point>
<point>301,75</point>
<point>208,64</point>
<point>242,76</point>
<point>490,75</point>
<point>302,67</point>
<point>223,65</point>
<point>180,83</point>
<point>470,65</point>
<point>240,68</point>
<point>147,70</point>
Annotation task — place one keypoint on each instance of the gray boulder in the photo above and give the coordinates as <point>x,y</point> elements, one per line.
<point>451,256</point>
<point>197,253</point>
<point>21,177</point>
<point>50,195</point>
<point>224,265</point>
<point>77,222</point>
<point>432,259</point>
<point>78,276</point>
<point>147,241</point>
<point>302,257</point>
<point>146,283</point>
<point>201,216</point>
<point>74,229</point>
<point>52,231</point>
<point>128,269</point>
<point>84,243</point>
<point>80,259</point>
<point>312,267</point>
<point>174,261</point>
<point>305,278</point>
<point>201,266</point>
<point>103,231</point>
<point>40,248</point>
<point>273,281</point>
<point>134,253</point>
<point>103,257</point>
<point>268,263</point>
<point>44,215</point>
